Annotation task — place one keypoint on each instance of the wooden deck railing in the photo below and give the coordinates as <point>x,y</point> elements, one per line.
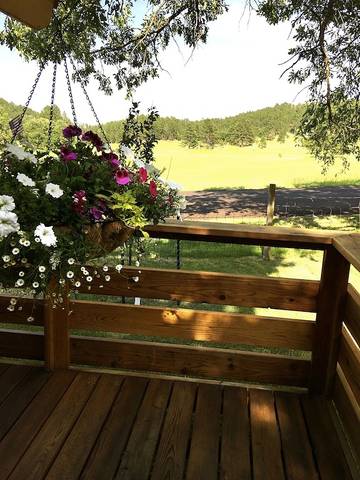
<point>321,339</point>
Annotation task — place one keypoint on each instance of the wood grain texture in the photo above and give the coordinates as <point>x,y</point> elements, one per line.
<point>74,453</point>
<point>243,234</point>
<point>348,410</point>
<point>267,461</point>
<point>210,287</point>
<point>170,458</point>
<point>11,378</point>
<point>136,462</point>
<point>56,329</point>
<point>349,360</point>
<point>19,438</point>
<point>107,451</point>
<point>235,462</point>
<point>204,447</point>
<point>16,402</point>
<point>329,318</point>
<point>349,246</point>
<point>352,313</point>
<point>18,344</point>
<point>36,461</point>
<point>193,361</point>
<point>296,447</point>
<point>325,442</point>
<point>192,324</point>
<point>29,307</point>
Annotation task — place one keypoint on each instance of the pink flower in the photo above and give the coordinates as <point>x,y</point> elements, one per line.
<point>122,177</point>
<point>112,159</point>
<point>72,131</point>
<point>153,189</point>
<point>143,175</point>
<point>79,200</point>
<point>67,155</point>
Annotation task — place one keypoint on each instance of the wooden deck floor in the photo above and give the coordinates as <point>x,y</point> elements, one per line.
<point>73,425</point>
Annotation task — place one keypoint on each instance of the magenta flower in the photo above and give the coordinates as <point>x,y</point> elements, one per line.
<point>96,213</point>
<point>93,138</point>
<point>112,159</point>
<point>153,189</point>
<point>79,200</point>
<point>72,131</point>
<point>67,155</point>
<point>122,177</point>
<point>143,174</point>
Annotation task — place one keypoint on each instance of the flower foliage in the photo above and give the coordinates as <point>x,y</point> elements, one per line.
<point>50,199</point>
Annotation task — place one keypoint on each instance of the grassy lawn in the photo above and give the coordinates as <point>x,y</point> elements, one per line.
<point>248,167</point>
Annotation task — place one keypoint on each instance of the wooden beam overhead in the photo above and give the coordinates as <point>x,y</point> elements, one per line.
<point>33,13</point>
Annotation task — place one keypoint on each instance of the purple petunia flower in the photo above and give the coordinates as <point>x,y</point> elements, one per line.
<point>112,159</point>
<point>122,177</point>
<point>93,138</point>
<point>67,155</point>
<point>79,200</point>
<point>72,131</point>
<point>96,213</point>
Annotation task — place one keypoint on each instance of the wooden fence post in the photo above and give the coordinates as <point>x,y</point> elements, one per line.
<point>56,331</point>
<point>269,215</point>
<point>330,312</point>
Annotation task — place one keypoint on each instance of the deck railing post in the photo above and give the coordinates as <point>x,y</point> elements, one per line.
<point>331,303</point>
<point>56,331</point>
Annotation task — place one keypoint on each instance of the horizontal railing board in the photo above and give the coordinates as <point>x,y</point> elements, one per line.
<point>349,246</point>
<point>29,307</point>
<point>349,360</point>
<point>243,234</point>
<point>192,361</point>
<point>352,313</point>
<point>192,325</point>
<point>20,344</point>
<point>348,410</point>
<point>210,287</point>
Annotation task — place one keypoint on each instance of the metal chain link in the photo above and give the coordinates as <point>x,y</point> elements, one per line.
<point>21,118</point>
<point>89,101</point>
<point>72,103</point>
<point>52,103</point>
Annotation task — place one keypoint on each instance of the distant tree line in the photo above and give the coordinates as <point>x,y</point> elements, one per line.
<point>244,129</point>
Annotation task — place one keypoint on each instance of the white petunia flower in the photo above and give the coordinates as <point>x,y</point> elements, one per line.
<point>8,223</point>
<point>7,203</point>
<point>127,152</point>
<point>46,235</point>
<point>25,180</point>
<point>54,190</point>
<point>139,163</point>
<point>20,153</point>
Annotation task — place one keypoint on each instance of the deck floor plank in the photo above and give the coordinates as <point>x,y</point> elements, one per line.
<point>19,438</point>
<point>170,460</point>
<point>11,377</point>
<point>20,397</point>
<point>139,453</point>
<point>72,457</point>
<point>297,452</point>
<point>106,454</point>
<point>235,461</point>
<point>266,444</point>
<point>204,448</point>
<point>327,448</point>
<point>46,445</point>
<point>72,425</point>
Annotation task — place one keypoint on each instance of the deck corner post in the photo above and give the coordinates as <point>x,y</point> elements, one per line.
<point>329,318</point>
<point>56,330</point>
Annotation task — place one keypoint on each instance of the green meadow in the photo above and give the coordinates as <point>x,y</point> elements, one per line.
<point>228,166</point>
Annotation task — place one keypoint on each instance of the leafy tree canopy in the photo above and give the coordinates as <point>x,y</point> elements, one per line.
<point>325,57</point>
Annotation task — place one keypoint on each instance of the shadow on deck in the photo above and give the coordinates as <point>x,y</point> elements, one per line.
<point>81,425</point>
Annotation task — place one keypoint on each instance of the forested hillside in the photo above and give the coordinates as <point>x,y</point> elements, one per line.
<point>242,130</point>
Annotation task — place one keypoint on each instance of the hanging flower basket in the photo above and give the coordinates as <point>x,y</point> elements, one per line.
<point>60,208</point>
